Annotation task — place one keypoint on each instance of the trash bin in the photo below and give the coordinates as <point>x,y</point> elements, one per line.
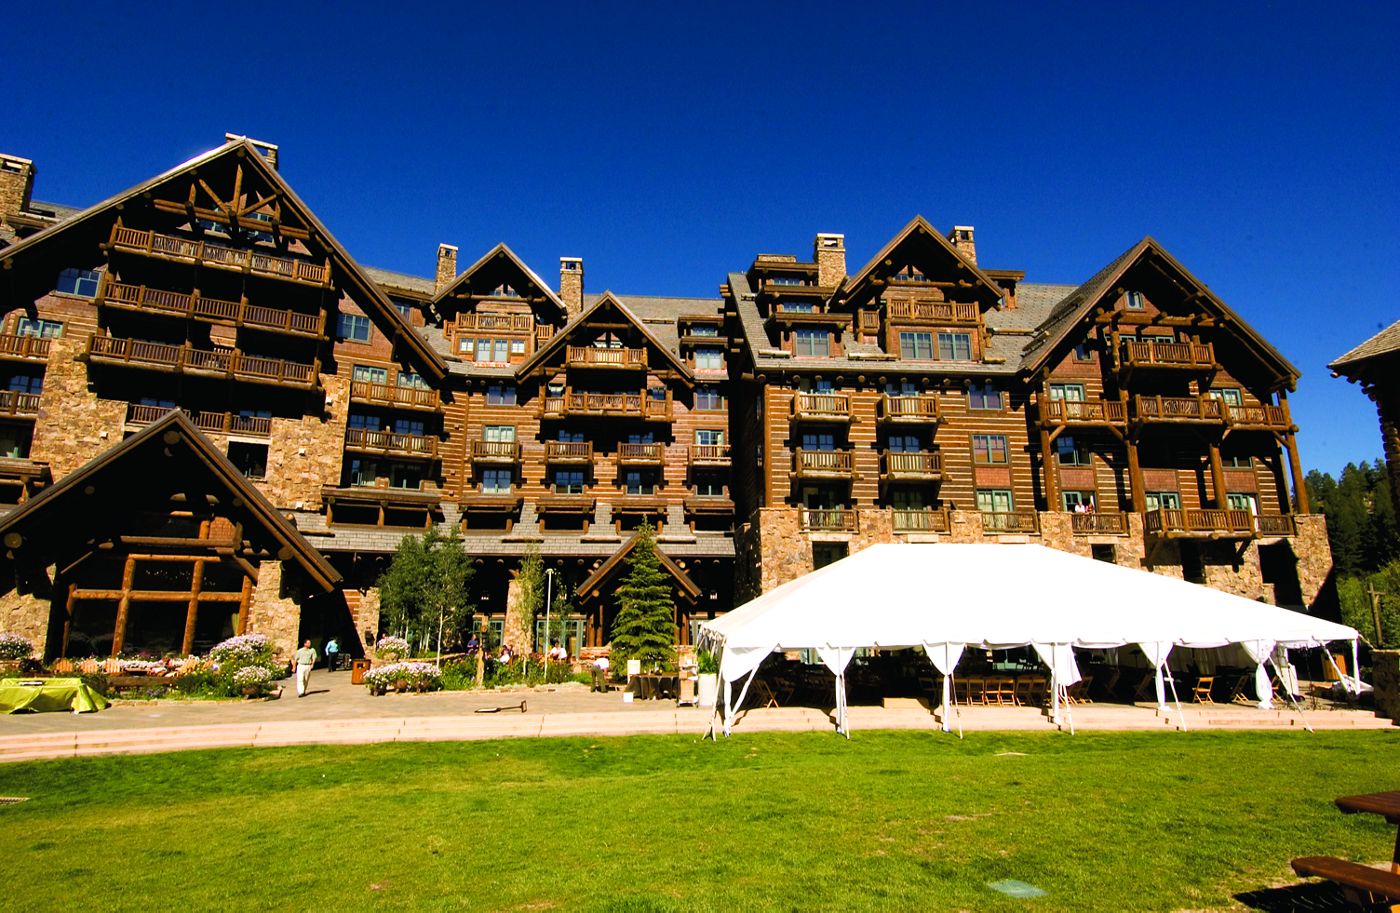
<point>358,668</point>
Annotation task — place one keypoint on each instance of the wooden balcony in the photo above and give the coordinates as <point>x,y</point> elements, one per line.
<point>212,310</point>
<point>111,350</point>
<point>1275,525</point>
<point>714,505</point>
<point>1199,524</point>
<point>495,323</point>
<point>943,312</point>
<point>566,504</point>
<point>922,520</point>
<point>23,348</point>
<point>829,520</point>
<point>916,409</point>
<point>1190,356</point>
<point>1102,413</point>
<point>407,508</point>
<point>916,466</point>
<point>1257,418</point>
<point>14,404</point>
<point>823,464</point>
<point>568,452</point>
<point>220,256</point>
<point>22,478</point>
<point>474,499</point>
<point>786,312</point>
<point>393,397</point>
<point>1193,410</point>
<point>767,288</point>
<point>1107,523</point>
<point>619,359</point>
<point>495,452</point>
<point>641,454</point>
<point>636,504</point>
<point>1010,521</point>
<point>208,422</point>
<point>389,443</point>
<point>607,405</point>
<point>709,455</point>
<point>821,407</point>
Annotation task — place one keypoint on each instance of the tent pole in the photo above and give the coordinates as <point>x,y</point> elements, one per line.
<point>743,692</point>
<point>1286,694</point>
<point>1356,667</point>
<point>1345,680</point>
<point>1180,714</point>
<point>946,692</point>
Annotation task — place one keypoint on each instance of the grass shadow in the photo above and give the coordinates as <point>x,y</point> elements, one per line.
<point>1322,896</point>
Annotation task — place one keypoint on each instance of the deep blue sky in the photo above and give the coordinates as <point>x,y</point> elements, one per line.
<point>667,145</point>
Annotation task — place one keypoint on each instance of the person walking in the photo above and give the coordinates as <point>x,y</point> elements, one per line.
<point>305,659</point>
<point>332,655</point>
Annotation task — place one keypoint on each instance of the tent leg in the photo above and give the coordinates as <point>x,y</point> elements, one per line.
<point>1180,714</point>
<point>947,688</point>
<point>739,704</point>
<point>1355,668</point>
<point>1297,708</point>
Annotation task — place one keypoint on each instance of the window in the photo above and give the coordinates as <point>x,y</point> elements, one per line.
<point>994,500</point>
<point>903,388</point>
<point>797,307</point>
<point>497,481</point>
<point>362,472</point>
<point>1162,500</point>
<point>493,350</point>
<point>500,395</point>
<point>639,481</point>
<point>81,282</point>
<point>812,343</point>
<point>904,443</point>
<point>709,359</point>
<point>1072,452</point>
<point>709,437</point>
<point>572,437</point>
<point>1134,301</point>
<point>1240,501</point>
<point>703,329</point>
<point>1078,500</point>
<point>641,437</point>
<point>405,475</point>
<point>251,459</point>
<point>26,383</point>
<point>1105,553</point>
<point>984,396</point>
<point>412,380</point>
<point>1084,352</point>
<point>954,347</point>
<point>14,441</point>
<point>1069,393</point>
<point>818,440</point>
<point>824,553</point>
<point>499,434</point>
<point>1230,396</point>
<point>709,485</point>
<point>657,394</point>
<point>1236,460</point>
<point>517,347</point>
<point>989,448</point>
<point>568,481</point>
<point>916,345</point>
<point>49,329</point>
<point>413,426</point>
<point>708,399</point>
<point>908,499</point>
<point>352,328</point>
<point>369,375</point>
<point>403,307</point>
<point>361,421</point>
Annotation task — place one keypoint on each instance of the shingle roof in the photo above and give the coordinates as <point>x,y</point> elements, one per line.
<point>1386,342</point>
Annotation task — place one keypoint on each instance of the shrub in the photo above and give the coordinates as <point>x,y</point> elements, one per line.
<point>200,682</point>
<point>12,646</point>
<point>254,681</point>
<point>391,649</point>
<point>98,682</point>
<point>459,675</point>
<point>705,663</point>
<point>243,650</point>
<point>415,676</point>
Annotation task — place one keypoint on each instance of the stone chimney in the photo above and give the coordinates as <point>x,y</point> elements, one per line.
<point>446,266</point>
<point>571,284</point>
<point>830,253</point>
<point>16,184</point>
<point>963,241</point>
<point>267,150</point>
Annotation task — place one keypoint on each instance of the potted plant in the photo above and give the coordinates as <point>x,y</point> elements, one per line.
<point>707,678</point>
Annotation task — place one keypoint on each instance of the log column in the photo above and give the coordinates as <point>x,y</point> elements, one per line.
<point>1217,476</point>
<point>1135,478</point>
<point>123,606</point>
<point>1047,465</point>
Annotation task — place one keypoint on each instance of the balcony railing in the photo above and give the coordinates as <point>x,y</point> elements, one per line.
<point>607,405</point>
<point>247,260</point>
<point>496,323</point>
<point>393,396</point>
<point>12,346</point>
<point>1193,355</point>
<point>389,442</point>
<point>828,463</point>
<point>1011,521</point>
<point>922,520</point>
<point>915,465</point>
<point>1211,523</point>
<point>1265,417</point>
<point>932,311</point>
<point>115,350</point>
<point>239,313</point>
<point>640,454</point>
<point>822,407</point>
<point>495,452</point>
<point>1276,525</point>
<point>1178,409</point>
<point>19,405</point>
<point>915,408</point>
<point>1094,412</point>
<point>829,520</point>
<point>208,422</point>
<point>568,452</point>
<point>709,455</point>
<point>590,357</point>
<point>1109,522</point>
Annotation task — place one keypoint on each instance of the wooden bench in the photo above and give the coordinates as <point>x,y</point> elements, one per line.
<point>1362,884</point>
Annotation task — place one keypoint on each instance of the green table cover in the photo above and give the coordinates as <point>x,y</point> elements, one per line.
<point>35,695</point>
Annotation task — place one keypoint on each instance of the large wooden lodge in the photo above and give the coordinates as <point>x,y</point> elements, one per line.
<point>216,421</point>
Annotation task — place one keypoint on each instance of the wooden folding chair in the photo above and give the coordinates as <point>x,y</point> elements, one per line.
<point>89,667</point>
<point>112,666</point>
<point>1005,690</point>
<point>63,667</point>
<point>1078,693</point>
<point>764,694</point>
<point>1201,692</point>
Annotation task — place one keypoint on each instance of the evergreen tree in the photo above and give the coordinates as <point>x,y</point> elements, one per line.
<point>645,628</point>
<point>424,592</point>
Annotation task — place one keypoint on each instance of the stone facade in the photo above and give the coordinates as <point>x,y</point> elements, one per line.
<point>26,614</point>
<point>516,633</point>
<point>16,184</point>
<point>74,425</point>
<point>304,454</point>
<point>275,610</point>
<point>1385,678</point>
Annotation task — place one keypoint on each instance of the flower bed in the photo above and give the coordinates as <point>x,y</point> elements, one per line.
<point>254,681</point>
<point>391,649</point>
<point>243,650</point>
<point>12,646</point>
<point>403,677</point>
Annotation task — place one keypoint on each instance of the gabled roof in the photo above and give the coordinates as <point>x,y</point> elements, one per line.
<point>608,299</point>
<point>613,564</point>
<point>1078,305</point>
<point>1386,342</point>
<point>377,305</point>
<point>139,471</point>
<point>502,250</point>
<point>920,227</point>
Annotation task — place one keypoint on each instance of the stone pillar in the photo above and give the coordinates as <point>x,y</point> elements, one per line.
<point>304,454</point>
<point>16,184</point>
<point>1388,408</point>
<point>73,425</point>
<point>26,614</point>
<point>446,266</point>
<point>830,254</point>
<point>571,284</point>
<point>1385,678</point>
<point>964,241</point>
<point>366,616</point>
<point>274,610</point>
<point>516,632</point>
<point>1314,554</point>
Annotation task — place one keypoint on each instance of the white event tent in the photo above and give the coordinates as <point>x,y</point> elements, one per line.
<point>947,597</point>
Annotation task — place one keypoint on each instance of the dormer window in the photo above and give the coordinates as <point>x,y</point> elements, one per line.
<point>787,280</point>
<point>505,290</point>
<point>910,274</point>
<point>708,358</point>
<point>811,343</point>
<point>703,329</point>
<point>1134,301</point>
<point>608,341</point>
<point>797,307</point>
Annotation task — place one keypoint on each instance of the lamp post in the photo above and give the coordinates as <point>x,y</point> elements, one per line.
<point>548,600</point>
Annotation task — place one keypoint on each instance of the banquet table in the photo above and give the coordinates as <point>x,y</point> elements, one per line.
<point>35,695</point>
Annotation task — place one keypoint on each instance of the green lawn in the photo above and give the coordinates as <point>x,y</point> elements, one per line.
<point>888,821</point>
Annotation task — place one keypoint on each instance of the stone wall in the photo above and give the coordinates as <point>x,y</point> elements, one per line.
<point>74,425</point>
<point>274,610</point>
<point>26,614</point>
<point>304,454</point>
<point>516,631</point>
<point>365,612</point>
<point>1385,678</point>
<point>1314,554</point>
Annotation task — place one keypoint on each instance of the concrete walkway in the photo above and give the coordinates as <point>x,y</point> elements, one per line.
<point>336,712</point>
